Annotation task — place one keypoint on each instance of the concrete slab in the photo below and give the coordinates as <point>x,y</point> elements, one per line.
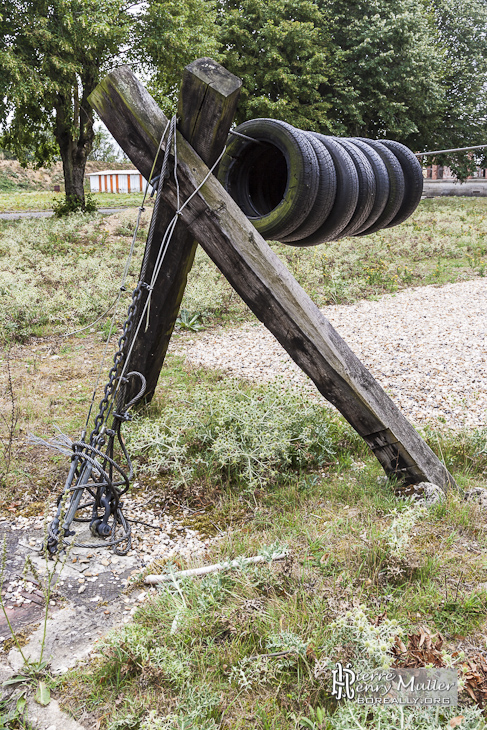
<point>470,188</point>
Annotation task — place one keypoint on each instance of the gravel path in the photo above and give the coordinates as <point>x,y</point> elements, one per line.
<point>426,346</point>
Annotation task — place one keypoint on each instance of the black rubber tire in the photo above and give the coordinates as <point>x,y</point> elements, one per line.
<point>413,178</point>
<point>381,183</point>
<point>366,188</point>
<point>275,183</point>
<point>346,195</point>
<point>396,186</point>
<point>325,196</point>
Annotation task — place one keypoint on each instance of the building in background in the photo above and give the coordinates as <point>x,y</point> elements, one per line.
<point>438,172</point>
<point>117,181</point>
<point>439,180</point>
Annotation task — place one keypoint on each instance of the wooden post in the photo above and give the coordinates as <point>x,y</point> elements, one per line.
<point>268,288</point>
<point>207,104</point>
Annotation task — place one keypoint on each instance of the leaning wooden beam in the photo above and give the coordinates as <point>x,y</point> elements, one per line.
<point>267,287</point>
<point>207,104</point>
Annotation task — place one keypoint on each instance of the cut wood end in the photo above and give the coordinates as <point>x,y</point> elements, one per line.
<point>213,73</point>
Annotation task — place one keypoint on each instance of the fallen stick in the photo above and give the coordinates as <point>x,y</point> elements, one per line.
<point>154,579</point>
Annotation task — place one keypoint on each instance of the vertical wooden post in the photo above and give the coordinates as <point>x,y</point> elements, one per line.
<point>207,104</point>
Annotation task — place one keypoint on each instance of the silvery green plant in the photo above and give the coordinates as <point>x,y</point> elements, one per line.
<point>60,264</point>
<point>252,672</point>
<point>397,536</point>
<point>134,642</point>
<point>350,715</point>
<point>371,644</point>
<point>248,437</point>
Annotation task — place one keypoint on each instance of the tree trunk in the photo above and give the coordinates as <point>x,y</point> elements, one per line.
<point>74,171</point>
<point>75,141</point>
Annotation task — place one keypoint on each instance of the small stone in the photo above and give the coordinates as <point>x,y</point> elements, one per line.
<point>477,494</point>
<point>81,589</point>
<point>423,493</point>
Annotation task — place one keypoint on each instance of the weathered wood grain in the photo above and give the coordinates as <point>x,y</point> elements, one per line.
<point>207,104</point>
<point>269,289</point>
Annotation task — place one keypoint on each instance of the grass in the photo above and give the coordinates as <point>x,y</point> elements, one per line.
<point>351,542</point>
<point>444,241</point>
<point>15,199</point>
<point>40,259</point>
<point>59,275</point>
<point>272,469</point>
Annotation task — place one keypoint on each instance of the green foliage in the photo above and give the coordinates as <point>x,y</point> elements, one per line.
<point>387,81</point>
<point>71,204</point>
<point>104,148</point>
<point>411,70</point>
<point>462,41</point>
<point>173,33</point>
<point>281,50</point>
<point>8,183</point>
<point>13,713</point>
<point>362,68</point>
<point>53,53</point>
<point>250,437</point>
<point>188,321</point>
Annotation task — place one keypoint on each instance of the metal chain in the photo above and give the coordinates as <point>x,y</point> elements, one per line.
<point>120,357</point>
<point>96,475</point>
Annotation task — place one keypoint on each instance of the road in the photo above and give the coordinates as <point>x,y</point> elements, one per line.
<point>13,216</point>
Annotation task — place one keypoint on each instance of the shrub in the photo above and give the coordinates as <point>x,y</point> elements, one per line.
<point>57,275</point>
<point>247,436</point>
<point>72,204</point>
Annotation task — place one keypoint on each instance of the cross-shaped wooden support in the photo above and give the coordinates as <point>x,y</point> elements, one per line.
<point>207,103</point>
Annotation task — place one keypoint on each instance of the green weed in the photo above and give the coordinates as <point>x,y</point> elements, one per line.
<point>249,437</point>
<point>71,204</point>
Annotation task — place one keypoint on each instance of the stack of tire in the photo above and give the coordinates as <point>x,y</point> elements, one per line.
<point>304,188</point>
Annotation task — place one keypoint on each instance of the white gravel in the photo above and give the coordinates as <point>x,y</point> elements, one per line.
<point>426,346</point>
<point>167,539</point>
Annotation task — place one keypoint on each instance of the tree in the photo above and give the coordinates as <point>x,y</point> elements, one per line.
<point>387,79</point>
<point>281,51</point>
<point>410,70</point>
<point>104,149</point>
<point>356,67</point>
<point>173,33</point>
<point>53,53</point>
<point>462,41</point>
